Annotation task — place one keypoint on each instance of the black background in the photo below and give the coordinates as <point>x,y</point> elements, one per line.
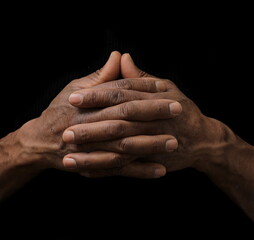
<point>208,55</point>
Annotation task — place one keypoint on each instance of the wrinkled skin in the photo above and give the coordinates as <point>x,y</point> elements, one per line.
<point>150,127</point>
<point>47,140</point>
<point>197,134</point>
<point>204,143</point>
<point>40,143</point>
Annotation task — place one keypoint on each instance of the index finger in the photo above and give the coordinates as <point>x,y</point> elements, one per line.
<point>147,84</point>
<point>144,85</point>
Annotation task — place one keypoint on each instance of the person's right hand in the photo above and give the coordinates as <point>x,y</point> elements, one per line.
<point>46,140</point>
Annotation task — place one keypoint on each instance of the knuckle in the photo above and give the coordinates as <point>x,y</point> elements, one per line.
<point>126,110</point>
<point>92,96</point>
<point>160,108</point>
<point>116,130</point>
<point>148,85</point>
<point>116,96</point>
<point>155,146</point>
<point>125,84</point>
<point>124,145</point>
<point>143,74</point>
<point>81,134</point>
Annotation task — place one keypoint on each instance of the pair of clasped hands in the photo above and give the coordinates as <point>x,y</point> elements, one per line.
<point>121,121</point>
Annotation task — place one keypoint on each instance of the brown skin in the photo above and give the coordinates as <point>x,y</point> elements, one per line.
<point>204,143</point>
<point>39,144</point>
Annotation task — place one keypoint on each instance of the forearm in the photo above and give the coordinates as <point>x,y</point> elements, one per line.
<point>231,167</point>
<point>18,164</point>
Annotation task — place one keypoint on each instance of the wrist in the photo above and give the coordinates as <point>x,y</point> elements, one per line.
<point>236,156</point>
<point>18,150</point>
<point>18,162</point>
<point>220,142</point>
<point>230,164</point>
<point>34,146</point>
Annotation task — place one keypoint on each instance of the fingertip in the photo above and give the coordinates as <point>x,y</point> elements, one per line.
<point>171,145</point>
<point>111,70</point>
<point>76,99</point>
<point>69,163</point>
<point>114,54</point>
<point>160,172</point>
<point>68,136</point>
<point>161,86</point>
<point>128,57</point>
<point>175,108</point>
<point>129,69</point>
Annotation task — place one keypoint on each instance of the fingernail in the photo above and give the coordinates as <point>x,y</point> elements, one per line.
<point>159,172</point>
<point>76,99</point>
<point>70,163</point>
<point>68,136</point>
<point>175,108</point>
<point>129,56</point>
<point>171,145</point>
<point>160,86</point>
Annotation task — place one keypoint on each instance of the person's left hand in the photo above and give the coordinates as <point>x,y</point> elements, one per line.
<point>198,136</point>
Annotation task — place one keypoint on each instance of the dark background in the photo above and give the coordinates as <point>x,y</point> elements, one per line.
<point>208,56</point>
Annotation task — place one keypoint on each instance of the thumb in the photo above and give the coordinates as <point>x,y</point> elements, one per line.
<point>129,69</point>
<point>109,72</point>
